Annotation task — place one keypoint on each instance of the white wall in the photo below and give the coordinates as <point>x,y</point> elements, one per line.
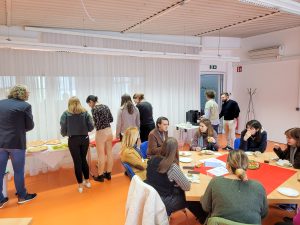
<point>277,84</point>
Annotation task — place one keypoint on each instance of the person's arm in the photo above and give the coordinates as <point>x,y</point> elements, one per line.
<point>297,159</point>
<point>206,199</point>
<point>29,124</point>
<point>206,111</point>
<point>237,110</point>
<point>280,153</point>
<point>136,161</point>
<point>264,205</point>
<point>176,175</point>
<point>221,113</point>
<point>262,145</point>
<point>137,119</point>
<point>110,117</point>
<point>215,144</point>
<point>63,124</point>
<point>153,148</point>
<point>243,142</point>
<point>119,121</point>
<point>90,124</point>
<point>194,144</point>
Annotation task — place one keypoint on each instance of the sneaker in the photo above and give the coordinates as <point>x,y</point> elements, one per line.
<point>107,176</point>
<point>100,178</point>
<point>3,202</point>
<point>80,189</point>
<point>27,198</point>
<point>287,219</point>
<point>87,184</point>
<point>287,207</point>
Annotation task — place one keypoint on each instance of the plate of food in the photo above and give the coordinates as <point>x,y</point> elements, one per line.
<point>249,153</point>
<point>37,149</point>
<point>59,147</point>
<point>35,143</point>
<point>185,153</point>
<point>53,142</point>
<point>185,159</point>
<point>207,152</point>
<point>288,191</point>
<point>253,165</point>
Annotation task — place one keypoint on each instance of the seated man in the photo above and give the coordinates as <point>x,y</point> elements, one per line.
<point>157,136</point>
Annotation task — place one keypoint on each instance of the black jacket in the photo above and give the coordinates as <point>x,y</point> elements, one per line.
<point>230,110</point>
<point>286,155</point>
<point>253,144</point>
<point>15,120</point>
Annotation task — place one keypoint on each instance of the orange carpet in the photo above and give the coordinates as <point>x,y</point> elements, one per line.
<point>59,203</point>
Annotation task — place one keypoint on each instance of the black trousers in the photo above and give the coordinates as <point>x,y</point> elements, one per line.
<point>79,146</point>
<point>145,130</point>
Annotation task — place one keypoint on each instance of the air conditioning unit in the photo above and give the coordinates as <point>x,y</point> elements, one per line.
<point>265,53</point>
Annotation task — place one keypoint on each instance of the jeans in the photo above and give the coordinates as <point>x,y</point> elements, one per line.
<point>216,128</point>
<point>79,146</point>
<point>17,157</point>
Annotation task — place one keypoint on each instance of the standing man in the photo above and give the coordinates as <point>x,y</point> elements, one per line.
<point>157,136</point>
<point>15,120</point>
<point>230,111</point>
<point>212,110</point>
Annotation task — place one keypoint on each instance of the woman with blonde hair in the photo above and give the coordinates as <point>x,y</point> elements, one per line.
<point>75,123</point>
<point>234,197</point>
<point>130,153</point>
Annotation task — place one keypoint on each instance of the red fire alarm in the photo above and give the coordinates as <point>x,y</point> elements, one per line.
<point>239,69</point>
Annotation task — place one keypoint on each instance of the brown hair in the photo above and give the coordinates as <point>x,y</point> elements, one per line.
<point>126,102</point>
<point>139,96</point>
<point>225,93</point>
<point>74,106</point>
<point>18,92</point>
<point>210,129</point>
<point>130,137</point>
<point>295,134</point>
<point>238,161</point>
<point>170,155</point>
<point>210,94</point>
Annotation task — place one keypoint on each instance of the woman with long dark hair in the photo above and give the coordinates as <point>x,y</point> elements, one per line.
<point>128,116</point>
<point>253,138</point>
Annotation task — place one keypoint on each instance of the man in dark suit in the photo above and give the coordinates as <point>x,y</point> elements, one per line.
<point>157,136</point>
<point>15,120</point>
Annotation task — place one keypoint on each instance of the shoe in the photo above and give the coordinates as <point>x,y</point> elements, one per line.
<point>87,184</point>
<point>27,198</point>
<point>287,219</point>
<point>80,189</point>
<point>3,202</point>
<point>287,207</point>
<point>107,175</point>
<point>100,178</point>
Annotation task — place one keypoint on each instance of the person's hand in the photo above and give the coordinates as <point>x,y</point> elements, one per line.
<point>247,135</point>
<point>211,140</point>
<point>276,146</point>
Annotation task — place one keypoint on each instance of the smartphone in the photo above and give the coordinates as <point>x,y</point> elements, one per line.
<point>188,167</point>
<point>193,172</point>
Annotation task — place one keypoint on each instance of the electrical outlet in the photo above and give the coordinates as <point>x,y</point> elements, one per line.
<point>298,109</point>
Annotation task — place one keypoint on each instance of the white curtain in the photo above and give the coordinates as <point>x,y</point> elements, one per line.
<point>172,86</point>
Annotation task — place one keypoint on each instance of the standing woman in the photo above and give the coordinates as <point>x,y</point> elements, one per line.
<point>146,116</point>
<point>102,119</point>
<point>75,123</point>
<point>253,138</point>
<point>128,116</point>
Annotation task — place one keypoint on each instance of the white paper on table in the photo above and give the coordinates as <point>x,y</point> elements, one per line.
<point>218,171</point>
<point>213,162</point>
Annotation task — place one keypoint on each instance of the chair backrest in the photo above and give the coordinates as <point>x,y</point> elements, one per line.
<point>129,170</point>
<point>222,221</point>
<point>143,148</point>
<point>237,143</point>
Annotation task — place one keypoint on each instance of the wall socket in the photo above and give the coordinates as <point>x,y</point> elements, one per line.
<point>298,109</point>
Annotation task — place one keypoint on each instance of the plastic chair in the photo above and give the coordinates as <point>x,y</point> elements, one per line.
<point>143,148</point>
<point>237,143</point>
<point>128,169</point>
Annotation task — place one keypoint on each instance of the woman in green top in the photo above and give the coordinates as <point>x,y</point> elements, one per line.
<point>234,197</point>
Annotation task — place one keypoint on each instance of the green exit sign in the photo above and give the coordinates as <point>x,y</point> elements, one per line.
<point>212,67</point>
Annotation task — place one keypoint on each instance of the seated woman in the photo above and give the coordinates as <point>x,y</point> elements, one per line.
<point>205,138</point>
<point>234,197</point>
<point>165,175</point>
<point>253,138</point>
<point>292,152</point>
<point>130,153</point>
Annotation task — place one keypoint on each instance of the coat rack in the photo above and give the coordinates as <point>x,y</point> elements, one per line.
<point>250,111</point>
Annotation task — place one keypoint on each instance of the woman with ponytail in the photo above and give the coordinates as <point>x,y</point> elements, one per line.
<point>234,197</point>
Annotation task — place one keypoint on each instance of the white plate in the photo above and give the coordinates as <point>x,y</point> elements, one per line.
<point>185,153</point>
<point>249,153</point>
<point>284,163</point>
<point>207,152</point>
<point>185,159</point>
<point>288,191</point>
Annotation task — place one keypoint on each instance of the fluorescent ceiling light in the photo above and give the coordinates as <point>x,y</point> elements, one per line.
<point>288,6</point>
<point>109,51</point>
